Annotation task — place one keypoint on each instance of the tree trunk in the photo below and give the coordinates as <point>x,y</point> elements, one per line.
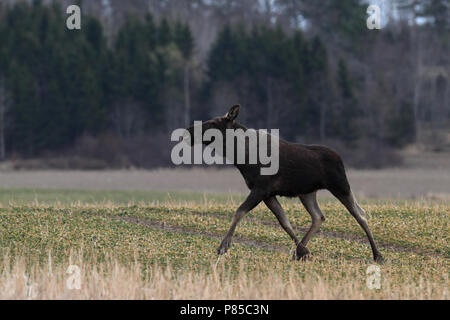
<point>417,88</point>
<point>187,95</point>
<point>3,106</point>
<point>2,130</point>
<point>322,121</point>
<point>269,116</point>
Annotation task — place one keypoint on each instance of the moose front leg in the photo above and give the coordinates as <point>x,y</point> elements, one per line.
<point>274,206</point>
<point>253,199</point>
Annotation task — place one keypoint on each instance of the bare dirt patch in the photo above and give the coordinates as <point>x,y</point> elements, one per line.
<point>408,183</point>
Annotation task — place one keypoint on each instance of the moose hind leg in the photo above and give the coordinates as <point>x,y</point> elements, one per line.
<point>359,214</point>
<point>276,208</point>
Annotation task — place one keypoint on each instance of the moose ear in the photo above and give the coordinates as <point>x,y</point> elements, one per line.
<point>233,113</point>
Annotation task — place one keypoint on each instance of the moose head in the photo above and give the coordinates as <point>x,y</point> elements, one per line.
<point>221,123</point>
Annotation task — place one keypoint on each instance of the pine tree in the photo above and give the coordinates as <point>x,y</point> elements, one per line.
<point>400,124</point>
<point>185,42</point>
<point>317,71</point>
<point>164,33</point>
<point>347,112</point>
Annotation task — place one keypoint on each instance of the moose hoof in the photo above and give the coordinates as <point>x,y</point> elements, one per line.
<point>302,253</point>
<point>378,257</point>
<point>223,248</point>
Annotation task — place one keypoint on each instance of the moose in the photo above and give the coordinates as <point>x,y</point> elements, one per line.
<point>303,170</point>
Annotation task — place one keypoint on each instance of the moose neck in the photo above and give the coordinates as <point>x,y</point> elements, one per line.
<point>247,171</point>
<point>239,126</point>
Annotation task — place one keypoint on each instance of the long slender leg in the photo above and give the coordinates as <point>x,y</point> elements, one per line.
<point>310,203</point>
<point>253,199</point>
<point>359,214</point>
<point>273,204</point>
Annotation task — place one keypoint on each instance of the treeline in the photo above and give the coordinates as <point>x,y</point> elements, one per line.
<point>117,98</point>
<point>62,84</point>
<point>284,81</point>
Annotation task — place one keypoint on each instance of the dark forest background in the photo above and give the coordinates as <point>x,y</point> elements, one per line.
<point>110,94</point>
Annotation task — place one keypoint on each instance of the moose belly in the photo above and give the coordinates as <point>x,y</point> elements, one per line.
<point>293,184</point>
<point>287,182</point>
<point>296,191</point>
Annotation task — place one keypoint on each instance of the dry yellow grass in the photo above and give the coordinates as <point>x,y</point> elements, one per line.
<point>112,280</point>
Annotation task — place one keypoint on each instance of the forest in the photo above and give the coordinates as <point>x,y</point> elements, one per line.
<point>109,94</point>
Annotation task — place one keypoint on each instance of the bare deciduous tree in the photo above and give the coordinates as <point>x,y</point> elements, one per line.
<point>4,104</point>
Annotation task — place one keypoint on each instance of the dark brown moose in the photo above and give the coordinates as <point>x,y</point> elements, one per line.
<point>303,169</point>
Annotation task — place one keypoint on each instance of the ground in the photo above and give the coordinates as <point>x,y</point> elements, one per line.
<point>158,244</point>
<point>406,183</point>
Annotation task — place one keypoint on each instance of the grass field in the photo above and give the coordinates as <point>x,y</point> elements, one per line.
<point>159,245</point>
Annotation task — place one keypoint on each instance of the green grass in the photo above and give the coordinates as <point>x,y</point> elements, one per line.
<point>416,227</point>
<point>58,196</point>
<point>34,231</point>
<point>413,236</point>
<point>55,196</point>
